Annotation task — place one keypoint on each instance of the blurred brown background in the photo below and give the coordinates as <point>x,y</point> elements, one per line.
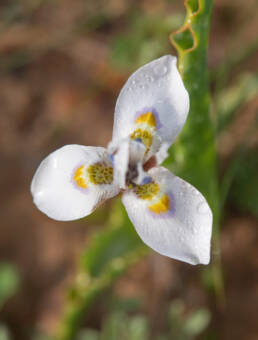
<point>60,76</point>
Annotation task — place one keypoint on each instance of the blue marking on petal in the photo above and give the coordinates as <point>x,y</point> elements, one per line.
<point>111,158</point>
<point>138,140</point>
<point>147,180</point>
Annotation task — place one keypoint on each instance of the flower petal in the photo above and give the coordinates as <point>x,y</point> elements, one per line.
<point>72,181</point>
<point>127,156</point>
<point>171,216</point>
<point>153,105</point>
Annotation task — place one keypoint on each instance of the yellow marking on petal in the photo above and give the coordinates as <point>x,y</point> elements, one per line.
<point>79,177</point>
<point>147,191</point>
<point>145,136</point>
<point>100,173</point>
<point>148,118</point>
<point>161,206</point>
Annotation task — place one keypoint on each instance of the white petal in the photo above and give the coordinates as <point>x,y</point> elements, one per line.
<point>55,190</point>
<point>158,88</point>
<point>182,232</point>
<point>121,161</point>
<point>127,157</point>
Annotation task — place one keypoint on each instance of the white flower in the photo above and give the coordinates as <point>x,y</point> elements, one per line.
<point>169,214</point>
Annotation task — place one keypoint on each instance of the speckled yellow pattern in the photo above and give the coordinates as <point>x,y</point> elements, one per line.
<point>100,173</point>
<point>161,206</point>
<point>145,136</point>
<point>147,191</point>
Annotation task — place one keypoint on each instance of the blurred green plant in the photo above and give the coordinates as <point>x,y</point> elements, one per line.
<point>4,333</point>
<point>244,192</point>
<point>9,284</point>
<point>110,252</point>
<point>119,325</point>
<point>231,99</point>
<point>144,40</point>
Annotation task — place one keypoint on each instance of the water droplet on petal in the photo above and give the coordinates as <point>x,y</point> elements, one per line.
<point>203,208</point>
<point>194,191</point>
<point>194,230</point>
<point>160,70</point>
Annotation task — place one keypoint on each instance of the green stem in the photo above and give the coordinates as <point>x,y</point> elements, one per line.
<point>196,146</point>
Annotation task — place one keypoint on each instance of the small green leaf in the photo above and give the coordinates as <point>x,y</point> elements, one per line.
<point>9,282</point>
<point>4,333</point>
<point>138,328</point>
<point>197,322</point>
<point>88,334</point>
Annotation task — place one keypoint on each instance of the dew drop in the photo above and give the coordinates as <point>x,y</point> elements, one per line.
<point>160,70</point>
<point>202,208</point>
<point>194,230</point>
<point>194,191</point>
